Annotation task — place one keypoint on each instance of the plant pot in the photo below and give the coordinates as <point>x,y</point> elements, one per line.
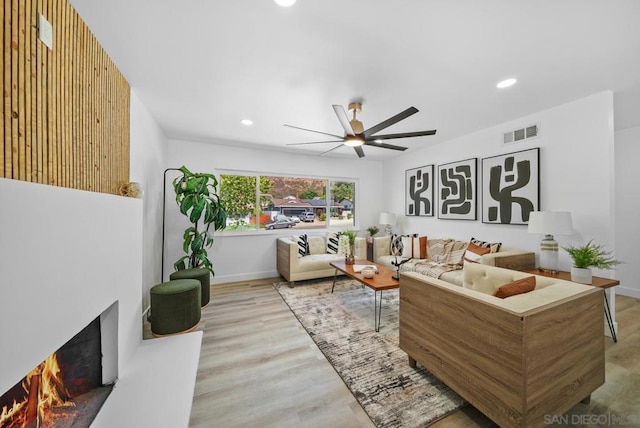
<point>581,275</point>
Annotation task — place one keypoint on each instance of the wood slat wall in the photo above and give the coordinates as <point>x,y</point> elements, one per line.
<point>65,111</point>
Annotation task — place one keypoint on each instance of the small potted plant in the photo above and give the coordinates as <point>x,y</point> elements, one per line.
<point>350,238</point>
<point>586,257</point>
<point>372,232</point>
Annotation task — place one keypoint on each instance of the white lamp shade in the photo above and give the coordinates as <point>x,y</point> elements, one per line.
<point>550,223</point>
<point>387,218</point>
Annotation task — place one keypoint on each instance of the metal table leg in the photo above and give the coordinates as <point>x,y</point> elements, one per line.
<point>607,313</point>
<point>377,310</point>
<point>335,275</point>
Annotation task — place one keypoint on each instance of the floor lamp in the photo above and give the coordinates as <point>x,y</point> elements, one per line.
<point>164,190</point>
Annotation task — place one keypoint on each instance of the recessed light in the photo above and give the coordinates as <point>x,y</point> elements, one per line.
<point>506,83</point>
<point>285,3</point>
<point>247,122</point>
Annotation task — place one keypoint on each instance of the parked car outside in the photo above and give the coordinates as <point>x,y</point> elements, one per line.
<point>279,224</point>
<point>294,218</point>
<point>307,217</point>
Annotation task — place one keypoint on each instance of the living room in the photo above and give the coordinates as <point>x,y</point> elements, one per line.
<point>587,151</point>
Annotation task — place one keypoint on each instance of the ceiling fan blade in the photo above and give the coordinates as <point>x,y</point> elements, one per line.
<point>359,151</point>
<point>401,135</point>
<point>317,132</point>
<point>385,146</point>
<point>330,150</point>
<point>386,123</point>
<point>314,142</point>
<point>344,119</point>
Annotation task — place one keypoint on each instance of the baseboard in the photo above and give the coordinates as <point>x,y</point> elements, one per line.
<point>146,313</point>
<point>244,277</point>
<point>627,291</point>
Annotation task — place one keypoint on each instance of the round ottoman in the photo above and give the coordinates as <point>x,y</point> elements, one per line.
<point>175,306</point>
<point>202,275</point>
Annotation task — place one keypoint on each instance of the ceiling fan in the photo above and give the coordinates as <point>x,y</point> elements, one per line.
<point>356,136</point>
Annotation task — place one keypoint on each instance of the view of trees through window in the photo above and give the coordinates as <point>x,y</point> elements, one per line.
<point>276,202</point>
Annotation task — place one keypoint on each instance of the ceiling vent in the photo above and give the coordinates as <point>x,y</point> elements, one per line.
<point>521,134</point>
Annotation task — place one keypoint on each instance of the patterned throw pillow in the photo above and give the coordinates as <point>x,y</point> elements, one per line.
<point>396,245</point>
<point>474,252</point>
<point>519,286</point>
<point>493,246</point>
<point>303,245</point>
<point>332,243</point>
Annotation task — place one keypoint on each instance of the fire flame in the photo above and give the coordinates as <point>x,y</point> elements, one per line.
<point>43,389</point>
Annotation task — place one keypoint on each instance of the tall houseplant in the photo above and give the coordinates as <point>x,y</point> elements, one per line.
<point>586,257</point>
<point>198,199</point>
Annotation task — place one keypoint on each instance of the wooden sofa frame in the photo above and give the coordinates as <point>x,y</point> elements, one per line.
<point>516,368</point>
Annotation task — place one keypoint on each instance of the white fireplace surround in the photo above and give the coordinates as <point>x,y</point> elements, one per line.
<point>66,257</point>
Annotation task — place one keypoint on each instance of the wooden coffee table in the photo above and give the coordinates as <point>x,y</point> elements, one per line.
<point>383,280</point>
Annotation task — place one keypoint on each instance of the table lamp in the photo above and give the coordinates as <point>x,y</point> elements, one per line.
<point>549,223</point>
<point>387,219</point>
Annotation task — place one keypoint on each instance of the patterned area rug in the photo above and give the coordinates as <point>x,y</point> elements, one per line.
<point>371,364</point>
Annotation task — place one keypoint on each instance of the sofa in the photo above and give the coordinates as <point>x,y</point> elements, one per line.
<point>296,267</point>
<point>444,258</point>
<point>519,359</point>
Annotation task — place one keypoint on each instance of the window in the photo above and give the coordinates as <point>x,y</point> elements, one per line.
<point>264,202</point>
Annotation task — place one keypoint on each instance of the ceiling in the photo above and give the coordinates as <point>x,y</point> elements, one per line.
<point>200,66</point>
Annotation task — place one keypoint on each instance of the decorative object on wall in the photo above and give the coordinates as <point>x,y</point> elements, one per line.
<point>419,191</point>
<point>130,190</point>
<point>550,223</point>
<point>457,190</point>
<point>511,187</point>
<point>66,116</point>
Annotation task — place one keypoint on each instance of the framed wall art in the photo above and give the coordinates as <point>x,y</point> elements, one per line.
<point>419,191</point>
<point>511,187</point>
<point>457,190</point>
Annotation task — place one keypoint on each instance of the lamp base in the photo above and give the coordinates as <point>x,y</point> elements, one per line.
<point>549,254</point>
<point>387,229</point>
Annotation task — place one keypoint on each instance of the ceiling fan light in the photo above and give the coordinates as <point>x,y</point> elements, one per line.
<point>353,141</point>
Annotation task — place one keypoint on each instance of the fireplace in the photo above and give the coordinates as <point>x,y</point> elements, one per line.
<point>66,389</point>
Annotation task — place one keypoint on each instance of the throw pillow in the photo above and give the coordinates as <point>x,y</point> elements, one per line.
<point>303,245</point>
<point>474,252</point>
<point>407,246</point>
<point>396,245</point>
<point>332,243</point>
<point>519,286</point>
<point>493,246</point>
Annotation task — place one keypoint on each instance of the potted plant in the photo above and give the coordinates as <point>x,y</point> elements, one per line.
<point>198,199</point>
<point>372,231</point>
<point>586,257</point>
<point>350,237</point>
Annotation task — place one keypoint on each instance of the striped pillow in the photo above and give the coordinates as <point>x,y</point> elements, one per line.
<point>303,245</point>
<point>332,243</point>
<point>493,246</point>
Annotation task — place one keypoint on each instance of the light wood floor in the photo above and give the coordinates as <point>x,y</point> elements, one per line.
<point>259,368</point>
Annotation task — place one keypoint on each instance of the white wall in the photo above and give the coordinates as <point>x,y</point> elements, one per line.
<point>65,256</point>
<point>148,146</point>
<point>238,258</point>
<point>576,175</point>
<point>627,208</point>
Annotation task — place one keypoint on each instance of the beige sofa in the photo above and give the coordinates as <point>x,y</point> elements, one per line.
<point>518,360</point>
<point>506,257</point>
<point>314,265</point>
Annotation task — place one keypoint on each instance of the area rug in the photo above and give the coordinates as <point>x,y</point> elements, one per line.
<point>371,364</point>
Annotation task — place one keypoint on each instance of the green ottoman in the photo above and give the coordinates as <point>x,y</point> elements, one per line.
<point>202,275</point>
<point>175,306</point>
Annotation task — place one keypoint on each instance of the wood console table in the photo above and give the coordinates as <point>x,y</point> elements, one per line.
<point>596,282</point>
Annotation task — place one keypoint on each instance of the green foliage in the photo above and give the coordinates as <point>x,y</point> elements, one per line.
<point>373,230</point>
<point>238,194</point>
<point>343,190</point>
<point>197,198</point>
<point>309,194</point>
<point>351,234</point>
<point>323,217</point>
<point>591,255</point>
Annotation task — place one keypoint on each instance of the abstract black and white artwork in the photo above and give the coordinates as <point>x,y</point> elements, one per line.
<point>419,191</point>
<point>457,190</point>
<point>511,187</point>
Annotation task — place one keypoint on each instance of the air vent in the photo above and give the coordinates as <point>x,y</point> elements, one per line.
<point>521,134</point>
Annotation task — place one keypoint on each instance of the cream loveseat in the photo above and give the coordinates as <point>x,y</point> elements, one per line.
<point>519,360</point>
<point>314,265</point>
<point>443,258</point>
